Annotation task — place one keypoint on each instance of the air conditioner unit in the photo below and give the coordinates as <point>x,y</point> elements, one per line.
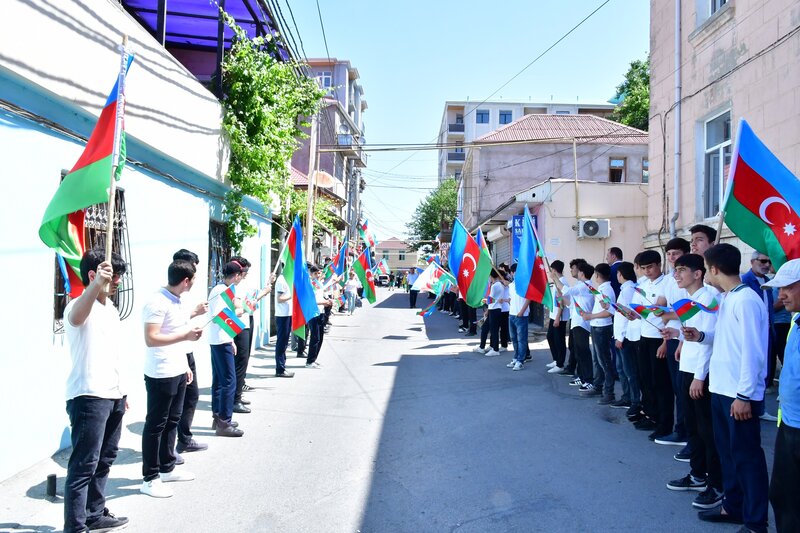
<point>593,228</point>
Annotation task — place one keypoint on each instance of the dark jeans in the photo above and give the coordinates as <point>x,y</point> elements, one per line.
<point>96,424</point>
<point>164,407</point>
<point>556,340</point>
<point>494,320</point>
<point>300,343</point>
<point>629,359</point>
<point>785,486</point>
<point>189,404</point>
<point>223,381</point>
<point>675,379</point>
<point>412,298</point>
<point>504,335</point>
<point>583,353</point>
<point>472,319</point>
<point>572,362</point>
<point>602,364</point>
<point>283,328</point>
<point>242,358</point>
<point>316,331</point>
<point>700,432</point>
<point>744,468</point>
<point>781,332</point>
<point>463,312</point>
<point>646,362</point>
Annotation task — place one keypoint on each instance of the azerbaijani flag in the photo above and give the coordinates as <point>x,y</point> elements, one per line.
<point>603,298</point>
<point>228,296</point>
<point>625,311</point>
<point>686,308</point>
<point>87,184</point>
<point>295,272</point>
<point>340,261</point>
<point>229,322</point>
<point>470,264</point>
<point>383,267</point>
<point>363,269</point>
<point>531,278</point>
<point>762,199</point>
<point>366,235</point>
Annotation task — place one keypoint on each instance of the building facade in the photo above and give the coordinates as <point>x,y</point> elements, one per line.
<point>397,254</point>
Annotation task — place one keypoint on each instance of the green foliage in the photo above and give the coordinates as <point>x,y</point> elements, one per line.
<point>439,205</point>
<point>324,211</point>
<point>263,100</point>
<point>634,110</point>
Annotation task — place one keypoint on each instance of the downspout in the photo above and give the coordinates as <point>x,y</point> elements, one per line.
<point>676,188</point>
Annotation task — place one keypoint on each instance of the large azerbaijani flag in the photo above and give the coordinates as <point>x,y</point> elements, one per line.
<point>87,184</point>
<point>763,199</point>
<point>530,281</point>
<point>340,261</point>
<point>295,272</point>
<point>470,264</point>
<point>363,269</point>
<point>366,234</point>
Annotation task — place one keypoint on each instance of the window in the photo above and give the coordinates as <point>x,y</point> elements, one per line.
<point>645,170</point>
<point>95,224</point>
<point>459,118</point>
<point>505,117</point>
<point>482,116</point>
<point>716,162</point>
<point>616,169</point>
<point>219,251</point>
<point>716,5</point>
<point>401,256</point>
<point>459,148</point>
<point>385,254</point>
<point>457,175</point>
<point>325,79</point>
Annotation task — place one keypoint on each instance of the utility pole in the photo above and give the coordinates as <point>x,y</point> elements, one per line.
<point>312,158</point>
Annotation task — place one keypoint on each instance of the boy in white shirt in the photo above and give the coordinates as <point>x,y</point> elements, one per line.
<point>579,298</point>
<point>601,321</point>
<point>626,339</point>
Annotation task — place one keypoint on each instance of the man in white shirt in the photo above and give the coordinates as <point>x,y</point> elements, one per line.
<point>491,321</point>
<point>96,400</point>
<point>283,325</point>
<point>736,380</point>
<point>167,333</point>
<point>602,330</point>
<point>706,472</point>
<point>580,299</point>
<point>518,322</point>
<point>557,325</point>
<point>626,337</point>
<point>411,277</point>
<point>316,326</point>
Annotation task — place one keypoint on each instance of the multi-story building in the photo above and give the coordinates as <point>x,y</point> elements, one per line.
<point>465,121</point>
<point>397,254</point>
<point>730,59</point>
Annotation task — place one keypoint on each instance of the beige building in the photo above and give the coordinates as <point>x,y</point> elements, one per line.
<point>732,59</point>
<point>396,253</point>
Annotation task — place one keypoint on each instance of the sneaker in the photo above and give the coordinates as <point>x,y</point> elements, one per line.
<point>633,411</point>
<point>528,358</point>
<point>462,330</point>
<point>155,488</point>
<point>176,475</point>
<point>191,446</point>
<point>471,334</point>
<point>688,482</point>
<point>766,417</point>
<point>555,370</point>
<point>107,522</point>
<point>671,440</point>
<point>511,364</point>
<point>590,393</point>
<point>228,431</point>
<point>491,353</point>
<point>517,366</point>
<point>312,365</point>
<point>644,424</point>
<point>576,382</point>
<point>503,349</point>
<point>656,435</point>
<point>285,374</point>
<point>551,364</point>
<point>478,349</point>
<point>247,388</point>
<point>683,456</point>
<point>708,499</point>
<point>608,400</point>
<point>178,459</point>
<point>586,386</point>
<point>621,404</point>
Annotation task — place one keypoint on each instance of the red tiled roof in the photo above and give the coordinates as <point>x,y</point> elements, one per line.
<point>392,243</point>
<point>298,178</point>
<point>563,128</point>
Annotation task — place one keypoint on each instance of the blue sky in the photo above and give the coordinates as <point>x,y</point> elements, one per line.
<point>413,56</point>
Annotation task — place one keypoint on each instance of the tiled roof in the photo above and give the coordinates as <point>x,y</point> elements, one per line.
<point>298,178</point>
<point>586,128</point>
<point>392,243</point>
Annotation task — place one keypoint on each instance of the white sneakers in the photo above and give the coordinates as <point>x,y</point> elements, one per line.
<point>503,348</point>
<point>555,369</point>
<point>313,365</point>
<point>478,349</point>
<point>491,353</point>
<point>550,364</point>
<point>511,364</point>
<point>176,475</point>
<point>155,488</point>
<point>517,366</point>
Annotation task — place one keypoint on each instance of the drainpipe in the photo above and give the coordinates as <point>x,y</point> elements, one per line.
<point>676,188</point>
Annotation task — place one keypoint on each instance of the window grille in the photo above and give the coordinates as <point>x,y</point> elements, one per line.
<point>219,252</point>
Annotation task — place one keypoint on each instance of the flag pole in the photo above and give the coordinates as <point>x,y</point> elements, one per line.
<point>112,190</point>
<point>729,182</point>
<point>544,254</point>
<point>283,249</point>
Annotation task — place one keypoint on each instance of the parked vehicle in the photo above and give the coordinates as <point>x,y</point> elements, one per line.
<point>383,280</point>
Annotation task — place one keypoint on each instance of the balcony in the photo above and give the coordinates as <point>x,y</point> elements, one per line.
<point>351,146</point>
<point>455,129</point>
<point>455,157</point>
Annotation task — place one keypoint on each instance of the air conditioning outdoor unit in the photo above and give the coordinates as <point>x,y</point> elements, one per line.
<point>593,228</point>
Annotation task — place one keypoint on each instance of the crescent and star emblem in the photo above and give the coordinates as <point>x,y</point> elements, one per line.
<point>762,210</point>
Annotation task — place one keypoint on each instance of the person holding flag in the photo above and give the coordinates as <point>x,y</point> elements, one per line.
<point>283,326</point>
<point>316,325</point>
<point>518,311</point>
<point>602,331</point>
<point>223,350</point>
<point>580,299</point>
<point>626,342</point>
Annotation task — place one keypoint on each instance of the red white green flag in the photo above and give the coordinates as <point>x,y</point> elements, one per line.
<point>366,234</point>
<point>229,322</point>
<point>363,269</point>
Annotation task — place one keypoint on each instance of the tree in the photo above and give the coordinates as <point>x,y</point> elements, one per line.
<point>634,93</point>
<point>439,205</point>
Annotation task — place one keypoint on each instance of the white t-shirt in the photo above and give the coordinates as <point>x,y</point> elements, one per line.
<point>607,291</point>
<point>673,293</point>
<point>626,292</point>
<point>654,289</point>
<point>506,306</point>
<point>555,310</point>
<point>633,332</point>
<point>517,302</point>
<point>579,293</point>
<point>165,308</point>
<point>281,289</point>
<point>495,293</point>
<point>96,350</point>
<point>217,335</point>
<point>695,356</point>
<point>351,285</point>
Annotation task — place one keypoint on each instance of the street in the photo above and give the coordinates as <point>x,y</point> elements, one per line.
<point>403,429</point>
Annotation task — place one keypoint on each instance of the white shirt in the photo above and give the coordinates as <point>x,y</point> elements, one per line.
<point>739,357</point>
<point>351,285</point>
<point>673,293</point>
<point>506,306</point>
<point>217,335</point>
<point>579,293</point>
<point>608,292</point>
<point>319,295</point>
<point>633,330</point>
<point>165,309</point>
<point>565,310</point>
<point>282,289</point>
<point>626,292</point>
<point>517,302</point>
<point>96,350</point>
<point>695,356</point>
<point>495,293</point>
<point>654,289</point>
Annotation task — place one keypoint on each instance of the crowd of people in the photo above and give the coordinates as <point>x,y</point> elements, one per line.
<point>694,380</point>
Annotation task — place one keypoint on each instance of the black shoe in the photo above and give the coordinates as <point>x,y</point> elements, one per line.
<point>285,374</point>
<point>471,335</point>
<point>634,411</point>
<point>107,522</point>
<point>229,431</point>
<point>682,456</point>
<point>192,446</point>
<point>301,354</point>
<point>687,482</point>
<point>715,515</point>
<point>645,424</point>
<point>708,499</point>
<point>621,404</point>
<point>215,423</point>
<point>240,408</point>
<point>178,459</point>
<point>247,388</point>
<point>243,401</point>
<point>528,358</point>
<point>607,400</point>
<point>657,435</point>
<point>566,372</point>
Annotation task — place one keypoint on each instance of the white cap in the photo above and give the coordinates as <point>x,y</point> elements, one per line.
<point>787,274</point>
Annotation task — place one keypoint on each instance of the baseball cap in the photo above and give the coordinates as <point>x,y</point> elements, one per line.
<point>787,274</point>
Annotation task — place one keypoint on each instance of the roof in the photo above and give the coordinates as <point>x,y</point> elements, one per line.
<point>561,128</point>
<point>298,178</point>
<point>392,243</point>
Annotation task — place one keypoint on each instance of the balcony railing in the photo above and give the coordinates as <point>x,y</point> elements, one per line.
<point>455,156</point>
<point>352,148</point>
<point>455,128</point>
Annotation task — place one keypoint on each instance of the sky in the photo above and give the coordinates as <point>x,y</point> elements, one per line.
<point>413,56</point>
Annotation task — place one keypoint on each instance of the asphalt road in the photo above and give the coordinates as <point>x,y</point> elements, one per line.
<point>403,429</point>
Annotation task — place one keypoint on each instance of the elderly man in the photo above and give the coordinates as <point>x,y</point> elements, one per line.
<point>754,278</point>
<point>785,486</point>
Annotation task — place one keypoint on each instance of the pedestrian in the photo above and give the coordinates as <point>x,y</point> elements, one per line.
<point>755,278</point>
<point>491,320</point>
<point>350,290</point>
<point>557,324</point>
<point>283,326</point>
<point>412,292</point>
<point>505,308</point>
<point>601,323</point>
<point>785,485</point>
<point>518,309</point>
<point>701,238</point>
<point>316,326</point>
<point>166,372</point>
<point>243,341</point>
<point>96,399</point>
<point>613,259</point>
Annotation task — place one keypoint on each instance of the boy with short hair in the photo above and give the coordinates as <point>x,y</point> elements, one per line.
<point>579,298</point>
<point>557,326</point>
<point>602,331</point>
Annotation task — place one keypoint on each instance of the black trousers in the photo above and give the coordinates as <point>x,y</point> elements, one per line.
<point>572,362</point>
<point>784,490</point>
<point>463,312</point>
<point>190,399</point>
<point>164,407</point>
<point>557,341</point>
<point>583,353</point>
<point>243,341</point>
<point>504,335</point>
<point>495,318</point>
<point>316,332</point>
<point>645,361</point>
<point>700,431</point>
<point>662,388</point>
<point>412,298</point>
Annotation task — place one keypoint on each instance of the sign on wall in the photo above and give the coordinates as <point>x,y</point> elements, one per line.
<point>516,233</point>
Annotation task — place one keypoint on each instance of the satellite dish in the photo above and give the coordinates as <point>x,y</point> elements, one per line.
<point>344,129</point>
